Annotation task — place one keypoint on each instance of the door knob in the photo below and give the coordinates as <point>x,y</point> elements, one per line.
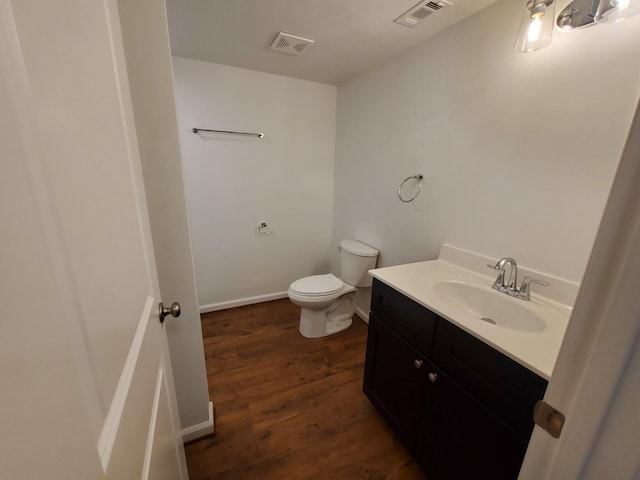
<point>173,310</point>
<point>433,377</point>
<point>418,363</point>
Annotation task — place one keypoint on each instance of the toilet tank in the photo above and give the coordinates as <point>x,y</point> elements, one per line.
<point>355,260</point>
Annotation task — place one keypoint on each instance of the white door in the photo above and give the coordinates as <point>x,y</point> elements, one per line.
<point>87,389</point>
<point>146,41</point>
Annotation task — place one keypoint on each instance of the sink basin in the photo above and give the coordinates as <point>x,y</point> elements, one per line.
<point>490,306</point>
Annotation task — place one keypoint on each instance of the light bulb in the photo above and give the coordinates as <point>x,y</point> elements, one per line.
<point>613,11</point>
<point>621,4</point>
<point>533,34</point>
<point>536,27</point>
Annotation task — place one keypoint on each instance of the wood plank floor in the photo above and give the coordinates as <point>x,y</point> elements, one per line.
<point>287,407</point>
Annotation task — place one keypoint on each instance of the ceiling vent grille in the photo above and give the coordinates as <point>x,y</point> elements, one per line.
<point>435,5</point>
<point>291,44</point>
<point>419,12</point>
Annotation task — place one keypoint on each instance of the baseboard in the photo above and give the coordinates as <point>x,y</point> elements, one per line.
<point>201,429</point>
<point>363,315</point>
<point>240,302</point>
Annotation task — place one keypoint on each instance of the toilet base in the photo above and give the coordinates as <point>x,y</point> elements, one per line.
<point>309,329</point>
<point>324,322</point>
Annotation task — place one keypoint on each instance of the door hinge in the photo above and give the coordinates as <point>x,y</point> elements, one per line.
<point>548,418</point>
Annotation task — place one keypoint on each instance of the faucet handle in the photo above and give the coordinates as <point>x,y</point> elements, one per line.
<point>539,282</point>
<point>525,289</point>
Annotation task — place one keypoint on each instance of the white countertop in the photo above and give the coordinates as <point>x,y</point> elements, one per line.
<point>535,350</point>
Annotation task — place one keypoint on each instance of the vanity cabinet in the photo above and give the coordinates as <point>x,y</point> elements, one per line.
<point>463,409</point>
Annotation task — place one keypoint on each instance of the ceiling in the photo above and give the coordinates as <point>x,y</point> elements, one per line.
<point>350,35</point>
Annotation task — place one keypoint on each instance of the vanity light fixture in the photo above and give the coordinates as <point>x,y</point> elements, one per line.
<point>583,13</point>
<point>537,23</point>
<point>613,11</point>
<point>536,26</point>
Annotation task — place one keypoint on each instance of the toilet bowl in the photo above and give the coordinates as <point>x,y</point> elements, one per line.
<point>328,302</point>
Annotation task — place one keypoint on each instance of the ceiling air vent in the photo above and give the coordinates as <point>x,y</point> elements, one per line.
<point>419,12</point>
<point>435,5</point>
<point>292,44</point>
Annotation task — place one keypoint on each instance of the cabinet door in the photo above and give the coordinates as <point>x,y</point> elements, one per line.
<point>503,386</point>
<point>394,380</point>
<point>470,441</point>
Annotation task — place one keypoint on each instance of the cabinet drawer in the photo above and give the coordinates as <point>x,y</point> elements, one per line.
<point>411,320</point>
<point>502,385</point>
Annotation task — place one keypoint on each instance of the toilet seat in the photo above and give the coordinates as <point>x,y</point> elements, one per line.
<point>317,285</point>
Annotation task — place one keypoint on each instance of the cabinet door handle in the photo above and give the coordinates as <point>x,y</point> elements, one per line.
<point>433,377</point>
<point>418,363</point>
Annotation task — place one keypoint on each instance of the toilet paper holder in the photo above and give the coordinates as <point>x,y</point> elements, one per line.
<point>263,230</point>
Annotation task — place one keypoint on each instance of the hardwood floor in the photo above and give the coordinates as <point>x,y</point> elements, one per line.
<point>287,407</point>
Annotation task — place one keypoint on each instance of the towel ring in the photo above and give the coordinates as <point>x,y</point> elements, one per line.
<point>419,178</point>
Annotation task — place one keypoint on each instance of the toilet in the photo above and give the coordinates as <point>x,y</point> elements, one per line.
<point>328,302</point>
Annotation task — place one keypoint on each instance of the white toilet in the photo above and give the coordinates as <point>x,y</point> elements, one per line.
<point>328,303</point>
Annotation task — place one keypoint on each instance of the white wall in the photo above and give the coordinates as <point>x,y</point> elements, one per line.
<point>518,150</point>
<point>146,42</point>
<point>233,184</point>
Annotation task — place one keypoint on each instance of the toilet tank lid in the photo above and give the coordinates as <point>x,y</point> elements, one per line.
<point>357,248</point>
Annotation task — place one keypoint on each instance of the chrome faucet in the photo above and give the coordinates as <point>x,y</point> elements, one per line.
<point>509,287</point>
<point>500,283</point>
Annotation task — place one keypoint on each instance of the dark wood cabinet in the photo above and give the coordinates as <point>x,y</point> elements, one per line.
<point>395,380</point>
<point>414,323</point>
<point>503,386</point>
<point>470,441</point>
<point>463,409</point>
